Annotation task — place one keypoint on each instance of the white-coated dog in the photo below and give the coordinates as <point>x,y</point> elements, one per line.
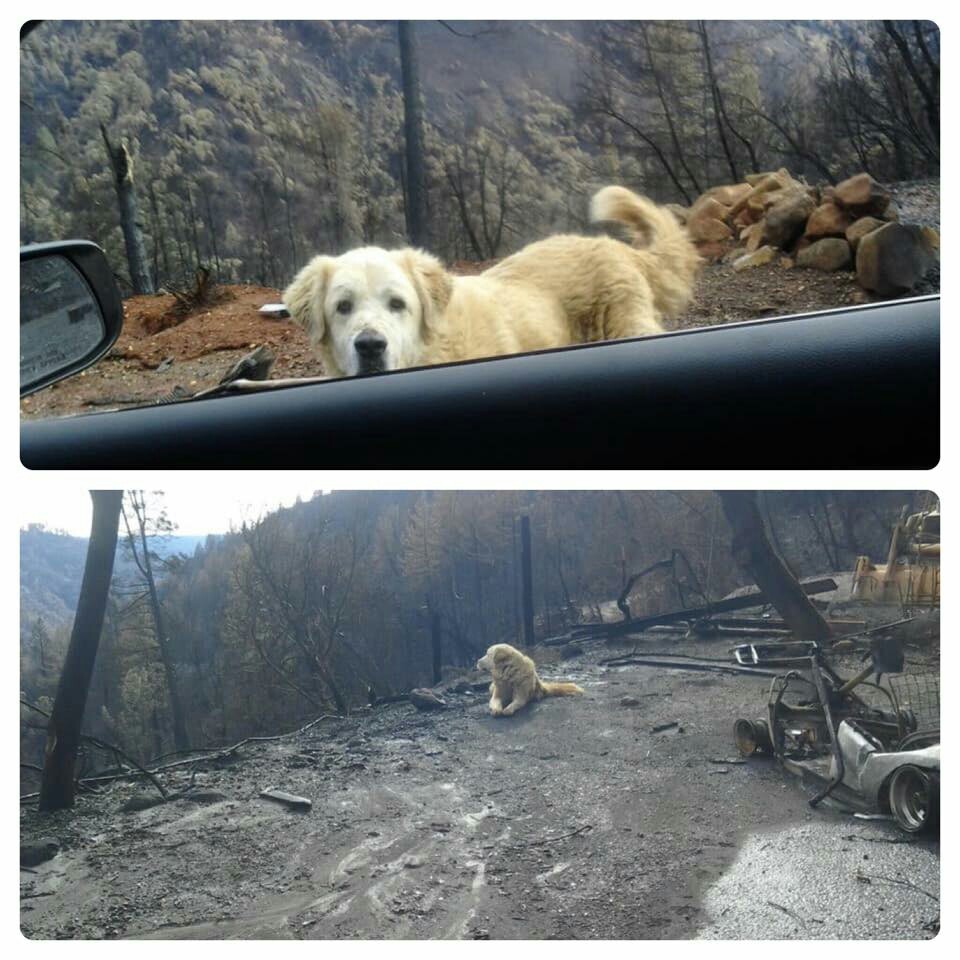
<point>516,682</point>
<point>372,309</point>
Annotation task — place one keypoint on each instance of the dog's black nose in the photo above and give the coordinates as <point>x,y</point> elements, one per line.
<point>370,345</point>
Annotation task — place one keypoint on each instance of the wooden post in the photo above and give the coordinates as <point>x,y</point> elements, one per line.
<point>63,730</point>
<point>526,574</point>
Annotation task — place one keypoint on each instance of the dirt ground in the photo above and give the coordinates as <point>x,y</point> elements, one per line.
<point>575,819</point>
<point>145,366</point>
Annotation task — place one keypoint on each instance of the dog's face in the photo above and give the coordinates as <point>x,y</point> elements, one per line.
<point>371,309</point>
<point>495,657</point>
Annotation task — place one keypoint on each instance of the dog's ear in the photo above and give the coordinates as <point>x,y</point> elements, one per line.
<point>304,297</point>
<point>433,284</point>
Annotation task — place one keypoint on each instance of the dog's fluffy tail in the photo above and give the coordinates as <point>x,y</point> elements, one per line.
<point>656,231</point>
<point>560,689</point>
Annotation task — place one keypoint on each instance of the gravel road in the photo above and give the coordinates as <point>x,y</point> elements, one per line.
<point>571,820</point>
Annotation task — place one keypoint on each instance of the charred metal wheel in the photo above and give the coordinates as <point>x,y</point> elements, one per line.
<point>751,736</point>
<point>914,796</point>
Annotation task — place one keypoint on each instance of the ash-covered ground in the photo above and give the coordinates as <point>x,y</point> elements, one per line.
<point>573,819</point>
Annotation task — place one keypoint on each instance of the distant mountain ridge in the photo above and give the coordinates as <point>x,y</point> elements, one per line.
<point>51,570</point>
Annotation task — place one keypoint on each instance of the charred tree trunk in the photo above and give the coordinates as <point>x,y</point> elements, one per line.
<point>180,739</point>
<point>753,551</point>
<point>715,94</point>
<point>436,645</point>
<point>122,165</point>
<point>526,572</point>
<point>63,731</point>
<point>141,556</point>
<point>212,228</point>
<point>194,234</point>
<point>416,195</point>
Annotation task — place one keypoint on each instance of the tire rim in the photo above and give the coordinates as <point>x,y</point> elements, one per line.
<point>910,798</point>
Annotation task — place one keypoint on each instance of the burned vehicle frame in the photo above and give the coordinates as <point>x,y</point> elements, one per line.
<point>869,746</point>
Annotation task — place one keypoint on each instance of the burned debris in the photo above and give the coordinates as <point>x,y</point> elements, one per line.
<point>869,742</point>
<point>867,746</point>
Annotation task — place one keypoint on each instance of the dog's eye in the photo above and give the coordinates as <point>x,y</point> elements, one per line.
<point>397,304</point>
<point>344,306</point>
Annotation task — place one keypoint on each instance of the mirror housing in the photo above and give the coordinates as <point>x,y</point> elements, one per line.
<point>69,296</point>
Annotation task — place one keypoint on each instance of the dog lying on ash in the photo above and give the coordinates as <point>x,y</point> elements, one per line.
<point>372,310</point>
<point>515,681</point>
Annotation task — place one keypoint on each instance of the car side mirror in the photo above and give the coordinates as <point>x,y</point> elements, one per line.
<point>70,311</point>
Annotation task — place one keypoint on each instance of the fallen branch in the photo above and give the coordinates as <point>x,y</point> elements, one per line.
<point>215,753</point>
<point>469,36</point>
<point>788,912</point>
<point>696,665</point>
<point>133,763</point>
<point>868,877</point>
<point>220,753</point>
<point>858,836</point>
<point>753,598</point>
<point>563,836</point>
<point>622,602</point>
<point>34,708</point>
<point>103,745</point>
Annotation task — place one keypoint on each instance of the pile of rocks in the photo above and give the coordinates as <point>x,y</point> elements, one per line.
<point>853,225</point>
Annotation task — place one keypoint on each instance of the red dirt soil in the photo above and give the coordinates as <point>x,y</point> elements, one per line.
<point>200,348</point>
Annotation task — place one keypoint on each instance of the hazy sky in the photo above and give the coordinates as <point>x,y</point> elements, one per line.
<point>210,509</point>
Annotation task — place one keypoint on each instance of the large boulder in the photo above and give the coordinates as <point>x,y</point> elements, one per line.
<point>860,228</point>
<point>708,229</point>
<point>831,253</point>
<point>893,259</point>
<point>729,194</point>
<point>39,851</point>
<point>754,178</point>
<point>706,207</point>
<point>755,206</point>
<point>769,182</point>
<point>862,195</point>
<point>787,218</point>
<point>424,699</point>
<point>755,259</point>
<point>753,236</point>
<point>828,220</point>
